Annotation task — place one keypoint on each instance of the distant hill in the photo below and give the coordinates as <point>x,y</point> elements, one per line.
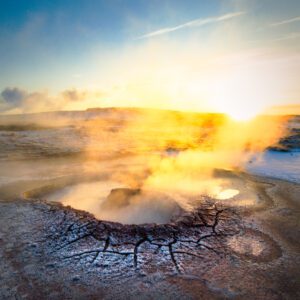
<point>66,118</point>
<point>292,109</point>
<point>61,118</point>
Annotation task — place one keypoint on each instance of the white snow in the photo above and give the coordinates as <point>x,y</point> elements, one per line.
<point>281,165</point>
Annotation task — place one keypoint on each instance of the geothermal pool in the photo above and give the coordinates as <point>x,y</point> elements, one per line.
<point>115,201</point>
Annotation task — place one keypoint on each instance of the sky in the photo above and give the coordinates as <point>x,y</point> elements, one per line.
<point>200,55</point>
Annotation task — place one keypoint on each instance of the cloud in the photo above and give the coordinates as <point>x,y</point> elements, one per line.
<point>289,36</point>
<point>193,23</point>
<point>16,100</point>
<point>74,95</point>
<point>288,21</point>
<point>13,96</point>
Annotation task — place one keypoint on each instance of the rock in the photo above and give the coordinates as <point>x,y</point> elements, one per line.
<point>119,198</point>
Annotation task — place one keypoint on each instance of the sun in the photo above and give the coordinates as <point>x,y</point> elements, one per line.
<point>237,100</point>
<point>242,115</point>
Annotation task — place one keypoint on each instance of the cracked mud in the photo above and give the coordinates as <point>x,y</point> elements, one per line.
<point>195,235</point>
<point>51,252</point>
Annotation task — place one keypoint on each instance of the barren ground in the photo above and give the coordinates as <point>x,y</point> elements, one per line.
<point>53,252</point>
<point>219,250</point>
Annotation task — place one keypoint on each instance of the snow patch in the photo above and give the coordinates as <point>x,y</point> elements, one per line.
<point>280,165</point>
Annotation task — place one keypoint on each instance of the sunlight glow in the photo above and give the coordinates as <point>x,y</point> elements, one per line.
<point>227,194</point>
<point>242,115</point>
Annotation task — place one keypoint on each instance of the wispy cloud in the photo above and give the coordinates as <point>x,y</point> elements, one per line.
<point>289,36</point>
<point>193,23</point>
<point>288,21</point>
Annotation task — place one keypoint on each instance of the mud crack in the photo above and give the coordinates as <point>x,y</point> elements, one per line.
<point>78,237</point>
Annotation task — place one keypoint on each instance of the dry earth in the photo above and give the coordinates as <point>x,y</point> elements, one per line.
<point>216,252</point>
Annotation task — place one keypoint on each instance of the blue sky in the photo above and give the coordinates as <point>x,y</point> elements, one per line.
<point>48,34</point>
<point>59,45</point>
